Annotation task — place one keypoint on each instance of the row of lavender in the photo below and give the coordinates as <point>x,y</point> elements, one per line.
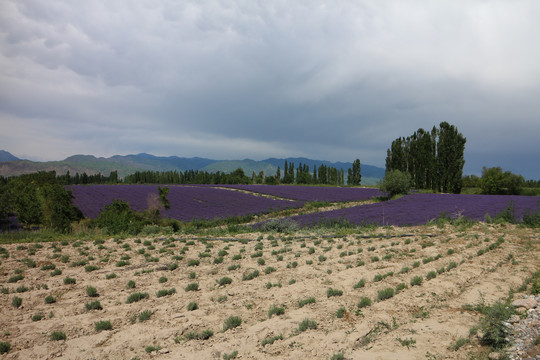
<point>418,209</point>
<point>311,193</point>
<point>187,202</point>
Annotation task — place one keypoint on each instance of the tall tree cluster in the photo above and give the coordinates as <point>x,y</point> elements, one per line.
<point>433,159</point>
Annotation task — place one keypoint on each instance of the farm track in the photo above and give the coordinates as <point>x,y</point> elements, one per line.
<point>430,315</point>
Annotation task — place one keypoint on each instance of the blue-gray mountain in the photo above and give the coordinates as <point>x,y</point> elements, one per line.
<point>128,164</point>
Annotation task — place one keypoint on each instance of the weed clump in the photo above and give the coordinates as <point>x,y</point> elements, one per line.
<point>232,322</point>
<point>138,296</point>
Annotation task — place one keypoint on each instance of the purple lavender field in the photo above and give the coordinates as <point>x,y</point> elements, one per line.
<point>311,193</point>
<point>187,202</point>
<point>418,209</point>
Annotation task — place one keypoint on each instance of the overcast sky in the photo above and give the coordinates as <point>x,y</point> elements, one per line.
<point>328,80</point>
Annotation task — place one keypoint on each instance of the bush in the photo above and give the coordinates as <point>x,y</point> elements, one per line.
<point>250,276</point>
<point>68,281</point>
<point>94,305</point>
<point>364,302</point>
<point>50,299</point>
<point>385,294</point>
<point>333,292</point>
<point>138,296</point>
<point>271,340</point>
<point>340,313</point>
<point>130,284</point>
<point>276,310</point>
<point>58,335</point>
<point>431,275</point>
<point>493,327</point>
<point>395,182</point>
<point>16,302</point>
<point>103,325</point>
<point>417,280</point>
<point>165,292</point>
<point>4,347</point>
<point>91,291</point>
<point>192,287</point>
<point>307,324</point>
<point>232,322</point>
<point>117,218</point>
<point>204,335</point>
<point>192,306</point>
<point>360,284</point>
<point>224,281</point>
<point>145,315</point>
<point>280,225</point>
<point>230,356</point>
<point>304,302</point>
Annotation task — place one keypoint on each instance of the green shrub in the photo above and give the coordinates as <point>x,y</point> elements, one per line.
<point>276,310</point>
<point>90,268</point>
<point>163,279</point>
<point>138,296</point>
<point>493,326</point>
<point>16,278</point>
<point>68,281</point>
<point>250,276</point>
<point>417,280</point>
<point>364,302</point>
<point>16,301</point>
<point>94,305</point>
<point>431,275</point>
<point>333,292</point>
<point>385,294</point>
<point>204,335</point>
<point>271,340</point>
<point>103,325</point>
<point>338,356</point>
<point>340,313</point>
<point>91,291</point>
<point>230,356</point>
<point>360,284</point>
<point>5,347</point>
<point>304,302</point>
<point>285,225</point>
<point>50,299</point>
<point>192,306</point>
<point>269,270</point>
<point>193,262</point>
<point>165,292</point>
<point>395,182</point>
<point>192,287</point>
<point>144,315</point>
<point>58,335</point>
<point>306,324</point>
<point>224,281</point>
<point>118,217</point>
<point>37,317</point>
<point>110,276</point>
<point>130,284</point>
<point>232,322</point>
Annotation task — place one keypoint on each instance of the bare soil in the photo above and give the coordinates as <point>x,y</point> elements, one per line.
<point>419,322</point>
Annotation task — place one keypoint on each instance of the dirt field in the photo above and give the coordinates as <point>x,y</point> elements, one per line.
<point>468,266</point>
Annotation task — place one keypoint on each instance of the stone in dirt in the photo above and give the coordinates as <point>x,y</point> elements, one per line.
<point>528,303</point>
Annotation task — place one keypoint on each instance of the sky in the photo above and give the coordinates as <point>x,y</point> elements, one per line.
<point>327,80</point>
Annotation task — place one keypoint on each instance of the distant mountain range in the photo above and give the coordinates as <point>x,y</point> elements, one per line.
<point>128,164</point>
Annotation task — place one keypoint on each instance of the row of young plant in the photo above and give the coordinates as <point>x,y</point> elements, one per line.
<point>168,245</point>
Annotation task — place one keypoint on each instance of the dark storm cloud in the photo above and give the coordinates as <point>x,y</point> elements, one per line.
<point>327,80</point>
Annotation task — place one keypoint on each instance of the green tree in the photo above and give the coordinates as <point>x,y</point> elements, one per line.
<point>117,218</point>
<point>495,181</point>
<point>354,175</point>
<point>395,182</point>
<point>450,160</point>
<point>163,192</point>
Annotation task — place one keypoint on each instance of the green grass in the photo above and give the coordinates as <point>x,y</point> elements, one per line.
<point>5,347</point>
<point>192,287</point>
<point>230,356</point>
<point>385,294</point>
<point>69,281</point>
<point>224,281</point>
<point>192,306</point>
<point>271,340</point>
<point>50,299</point>
<point>16,302</point>
<point>417,280</point>
<point>364,302</point>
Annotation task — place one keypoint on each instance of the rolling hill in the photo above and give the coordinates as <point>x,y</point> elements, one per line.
<point>128,164</point>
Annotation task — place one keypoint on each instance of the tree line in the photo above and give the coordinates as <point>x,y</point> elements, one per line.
<point>433,159</point>
<point>301,174</point>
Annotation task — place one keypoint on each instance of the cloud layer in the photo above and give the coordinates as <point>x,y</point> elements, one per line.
<point>249,79</point>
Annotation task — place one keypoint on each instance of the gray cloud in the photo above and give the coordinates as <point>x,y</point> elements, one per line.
<point>241,79</point>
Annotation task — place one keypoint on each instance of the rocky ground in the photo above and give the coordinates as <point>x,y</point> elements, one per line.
<point>309,298</point>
